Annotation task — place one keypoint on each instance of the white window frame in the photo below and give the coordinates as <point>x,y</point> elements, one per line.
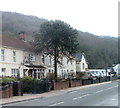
<point>83,66</point>
<point>14,72</point>
<point>32,57</point>
<point>3,71</point>
<point>62,60</point>
<point>2,54</point>
<point>43,59</point>
<point>50,60</point>
<point>14,56</point>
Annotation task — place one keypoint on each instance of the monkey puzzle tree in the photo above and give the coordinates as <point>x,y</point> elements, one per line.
<point>56,38</point>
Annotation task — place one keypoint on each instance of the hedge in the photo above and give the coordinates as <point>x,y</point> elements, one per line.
<point>8,79</point>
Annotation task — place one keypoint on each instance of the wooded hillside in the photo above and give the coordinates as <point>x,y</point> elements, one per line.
<point>100,51</point>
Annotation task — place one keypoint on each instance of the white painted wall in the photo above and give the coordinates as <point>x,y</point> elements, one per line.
<point>20,55</point>
<point>8,63</point>
<point>117,68</point>
<point>79,65</point>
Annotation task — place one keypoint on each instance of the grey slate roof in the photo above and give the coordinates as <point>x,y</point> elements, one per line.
<point>78,57</point>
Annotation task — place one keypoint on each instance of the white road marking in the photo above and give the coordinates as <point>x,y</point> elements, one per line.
<point>99,91</point>
<point>73,92</point>
<point>106,89</point>
<point>80,97</point>
<point>113,99</point>
<point>57,104</point>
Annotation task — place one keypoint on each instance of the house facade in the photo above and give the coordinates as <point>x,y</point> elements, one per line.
<point>117,68</point>
<point>10,61</point>
<point>81,63</point>
<point>17,57</point>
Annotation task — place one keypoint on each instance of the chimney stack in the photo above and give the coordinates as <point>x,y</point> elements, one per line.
<point>22,36</point>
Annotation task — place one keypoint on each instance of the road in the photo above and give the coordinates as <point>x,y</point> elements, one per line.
<point>99,95</point>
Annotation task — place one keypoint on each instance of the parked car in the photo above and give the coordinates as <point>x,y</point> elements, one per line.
<point>91,75</point>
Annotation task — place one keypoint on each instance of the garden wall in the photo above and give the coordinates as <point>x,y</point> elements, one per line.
<point>59,85</point>
<point>9,89</point>
<point>6,91</point>
<point>75,83</point>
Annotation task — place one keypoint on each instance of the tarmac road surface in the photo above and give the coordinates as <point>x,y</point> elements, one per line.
<point>99,95</point>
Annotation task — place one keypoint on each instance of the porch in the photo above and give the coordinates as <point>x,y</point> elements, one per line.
<point>34,71</point>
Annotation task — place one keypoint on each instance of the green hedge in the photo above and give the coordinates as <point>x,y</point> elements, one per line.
<point>8,79</point>
<point>41,86</point>
<point>27,84</point>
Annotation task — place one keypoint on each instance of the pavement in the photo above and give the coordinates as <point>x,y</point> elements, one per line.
<point>27,97</point>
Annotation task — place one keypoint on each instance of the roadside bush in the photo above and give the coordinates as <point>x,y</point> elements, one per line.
<point>27,84</point>
<point>40,86</point>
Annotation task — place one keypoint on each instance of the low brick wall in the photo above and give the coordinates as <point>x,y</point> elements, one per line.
<point>66,84</point>
<point>10,89</point>
<point>59,85</point>
<point>6,91</point>
<point>75,83</point>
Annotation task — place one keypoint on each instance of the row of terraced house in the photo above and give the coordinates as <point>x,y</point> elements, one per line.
<point>17,56</point>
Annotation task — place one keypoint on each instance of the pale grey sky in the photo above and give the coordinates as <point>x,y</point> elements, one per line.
<point>99,17</point>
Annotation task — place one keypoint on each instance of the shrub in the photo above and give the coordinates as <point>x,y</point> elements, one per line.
<point>80,74</point>
<point>40,86</point>
<point>71,75</point>
<point>50,76</point>
<point>27,84</point>
<point>63,80</point>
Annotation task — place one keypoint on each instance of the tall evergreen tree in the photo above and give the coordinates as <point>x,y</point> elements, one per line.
<point>56,38</point>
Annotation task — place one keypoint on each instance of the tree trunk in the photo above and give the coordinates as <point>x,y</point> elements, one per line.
<point>55,63</point>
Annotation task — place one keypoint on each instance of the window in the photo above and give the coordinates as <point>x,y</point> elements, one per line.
<point>50,60</point>
<point>2,55</point>
<point>67,70</point>
<point>62,73</point>
<point>62,60</point>
<point>14,72</point>
<point>3,70</point>
<point>14,56</point>
<point>43,59</point>
<point>67,60</point>
<point>31,57</point>
<point>49,70</point>
<point>52,70</point>
<point>83,66</point>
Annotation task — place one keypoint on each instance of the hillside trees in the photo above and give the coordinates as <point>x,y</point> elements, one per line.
<point>100,51</point>
<point>94,47</point>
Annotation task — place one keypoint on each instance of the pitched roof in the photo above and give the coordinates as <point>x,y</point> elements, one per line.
<point>79,57</point>
<point>15,43</point>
